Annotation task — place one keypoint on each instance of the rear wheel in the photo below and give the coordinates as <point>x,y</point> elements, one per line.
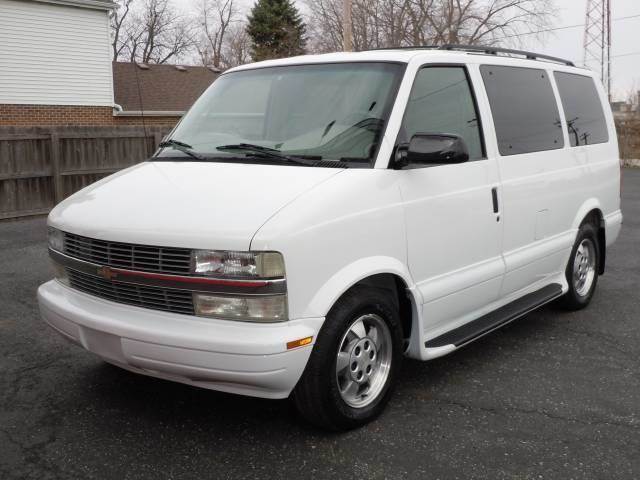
<point>354,364</point>
<point>582,269</point>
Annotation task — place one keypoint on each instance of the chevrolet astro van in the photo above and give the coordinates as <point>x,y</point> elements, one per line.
<point>313,220</point>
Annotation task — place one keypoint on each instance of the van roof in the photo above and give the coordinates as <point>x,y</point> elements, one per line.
<point>406,54</point>
<point>488,50</point>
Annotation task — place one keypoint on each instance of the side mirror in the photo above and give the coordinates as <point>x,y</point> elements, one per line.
<point>432,149</point>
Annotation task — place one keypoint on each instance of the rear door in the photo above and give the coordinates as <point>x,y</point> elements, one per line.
<point>453,232</point>
<point>539,178</point>
<point>591,146</point>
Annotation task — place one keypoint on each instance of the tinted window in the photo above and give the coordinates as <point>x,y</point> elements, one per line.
<point>524,109</point>
<point>441,102</point>
<point>582,109</point>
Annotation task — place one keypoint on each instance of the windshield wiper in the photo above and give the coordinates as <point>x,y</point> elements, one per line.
<point>268,152</point>
<point>181,146</point>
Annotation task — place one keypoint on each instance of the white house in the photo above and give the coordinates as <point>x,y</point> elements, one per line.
<point>55,62</point>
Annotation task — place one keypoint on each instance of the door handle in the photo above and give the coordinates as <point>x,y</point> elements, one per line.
<point>494,197</point>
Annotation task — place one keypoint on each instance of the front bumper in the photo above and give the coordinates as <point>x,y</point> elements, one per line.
<point>244,358</point>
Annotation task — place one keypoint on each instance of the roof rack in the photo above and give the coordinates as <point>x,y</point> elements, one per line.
<point>408,47</point>
<point>497,50</point>
<point>484,50</point>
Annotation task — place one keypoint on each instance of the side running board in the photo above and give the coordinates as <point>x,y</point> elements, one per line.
<point>508,313</point>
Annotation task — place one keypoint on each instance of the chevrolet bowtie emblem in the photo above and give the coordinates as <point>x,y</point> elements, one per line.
<point>107,273</point>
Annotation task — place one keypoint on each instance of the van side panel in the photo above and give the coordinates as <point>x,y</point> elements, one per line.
<point>362,230</point>
<point>543,193</point>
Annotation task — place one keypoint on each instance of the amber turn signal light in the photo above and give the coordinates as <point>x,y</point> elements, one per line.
<point>299,343</point>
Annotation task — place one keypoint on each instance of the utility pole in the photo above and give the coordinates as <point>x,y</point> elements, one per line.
<point>347,31</point>
<point>609,49</point>
<point>597,39</point>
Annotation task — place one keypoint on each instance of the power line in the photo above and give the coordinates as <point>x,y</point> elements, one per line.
<point>565,27</point>
<point>625,55</point>
<point>579,25</point>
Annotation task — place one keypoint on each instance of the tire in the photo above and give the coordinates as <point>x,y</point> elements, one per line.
<point>582,272</point>
<point>318,396</point>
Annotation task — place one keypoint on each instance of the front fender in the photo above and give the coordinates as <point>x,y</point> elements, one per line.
<point>355,272</point>
<point>361,269</point>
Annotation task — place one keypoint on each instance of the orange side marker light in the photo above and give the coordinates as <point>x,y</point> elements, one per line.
<point>299,343</point>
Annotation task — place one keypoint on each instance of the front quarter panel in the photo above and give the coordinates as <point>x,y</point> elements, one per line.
<point>344,230</point>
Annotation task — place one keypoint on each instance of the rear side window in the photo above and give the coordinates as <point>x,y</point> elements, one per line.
<point>524,109</point>
<point>582,109</point>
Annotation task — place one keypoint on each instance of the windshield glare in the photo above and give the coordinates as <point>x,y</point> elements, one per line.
<point>329,111</point>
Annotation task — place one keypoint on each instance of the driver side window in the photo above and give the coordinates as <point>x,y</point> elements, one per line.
<point>441,101</point>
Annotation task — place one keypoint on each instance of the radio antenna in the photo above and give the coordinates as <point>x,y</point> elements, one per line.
<point>144,126</point>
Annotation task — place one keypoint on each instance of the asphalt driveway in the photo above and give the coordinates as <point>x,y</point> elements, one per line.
<point>553,395</point>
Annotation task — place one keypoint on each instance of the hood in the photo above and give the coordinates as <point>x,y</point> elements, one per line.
<point>185,204</point>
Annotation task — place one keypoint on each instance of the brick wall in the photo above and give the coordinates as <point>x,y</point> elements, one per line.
<point>70,115</point>
<point>162,121</point>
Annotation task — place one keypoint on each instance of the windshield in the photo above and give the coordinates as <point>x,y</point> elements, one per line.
<point>334,112</point>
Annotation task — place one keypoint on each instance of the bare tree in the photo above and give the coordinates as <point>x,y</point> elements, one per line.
<point>152,31</point>
<point>375,23</point>
<point>388,23</point>
<point>325,25</point>
<point>216,18</point>
<point>474,22</point>
<point>157,34</point>
<point>118,18</point>
<point>237,47</point>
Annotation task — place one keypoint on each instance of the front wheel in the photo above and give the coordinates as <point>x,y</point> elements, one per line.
<point>582,269</point>
<point>354,363</point>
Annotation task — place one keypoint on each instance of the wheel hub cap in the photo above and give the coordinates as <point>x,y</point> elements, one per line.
<point>584,267</point>
<point>364,360</point>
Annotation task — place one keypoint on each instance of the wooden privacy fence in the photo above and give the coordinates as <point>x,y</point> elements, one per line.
<point>39,167</point>
<point>629,137</point>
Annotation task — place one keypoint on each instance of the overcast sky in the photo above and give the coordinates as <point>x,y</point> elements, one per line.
<point>625,39</point>
<point>567,43</point>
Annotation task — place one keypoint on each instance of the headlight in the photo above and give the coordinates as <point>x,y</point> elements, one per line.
<point>240,266</point>
<point>248,265</point>
<point>56,239</point>
<point>258,308</point>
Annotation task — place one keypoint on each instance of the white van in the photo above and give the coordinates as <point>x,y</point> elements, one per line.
<point>312,220</point>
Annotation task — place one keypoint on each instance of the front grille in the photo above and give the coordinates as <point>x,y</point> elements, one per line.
<point>155,298</point>
<point>176,261</point>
